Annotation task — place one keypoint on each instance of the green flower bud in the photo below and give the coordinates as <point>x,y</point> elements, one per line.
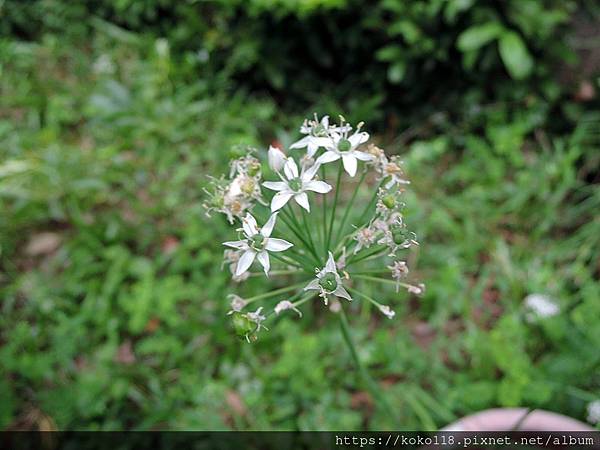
<point>236,152</point>
<point>389,200</point>
<point>242,325</point>
<point>400,235</point>
<point>217,201</point>
<point>254,169</point>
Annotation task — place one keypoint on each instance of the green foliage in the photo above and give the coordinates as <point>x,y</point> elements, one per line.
<point>515,55</point>
<point>510,220</point>
<point>407,47</point>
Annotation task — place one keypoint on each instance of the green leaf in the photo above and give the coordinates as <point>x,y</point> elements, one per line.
<point>7,403</point>
<point>477,36</point>
<point>515,55</point>
<point>407,29</point>
<point>510,391</point>
<point>389,53</point>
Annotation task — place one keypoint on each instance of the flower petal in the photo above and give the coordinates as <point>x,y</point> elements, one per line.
<point>330,265</point>
<point>315,143</point>
<point>277,245</point>
<point>263,259</point>
<point>280,199</point>
<point>302,200</point>
<point>328,157</point>
<point>245,262</point>
<point>235,188</point>
<point>334,141</point>
<point>301,143</point>
<point>350,164</point>
<point>318,186</point>
<point>290,169</point>
<point>309,173</point>
<point>240,245</point>
<point>341,292</point>
<point>249,225</point>
<point>267,229</point>
<point>358,138</point>
<point>311,149</point>
<point>314,284</point>
<point>362,156</point>
<point>275,185</point>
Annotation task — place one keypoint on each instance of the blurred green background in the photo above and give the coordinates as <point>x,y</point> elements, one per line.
<point>113,300</point>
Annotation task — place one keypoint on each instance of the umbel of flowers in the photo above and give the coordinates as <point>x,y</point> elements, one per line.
<point>323,220</point>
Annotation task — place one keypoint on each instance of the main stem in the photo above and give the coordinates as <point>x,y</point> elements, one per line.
<point>371,385</point>
<point>324,205</point>
<point>335,202</point>
<point>370,204</point>
<point>309,233</point>
<point>350,205</point>
<point>290,220</point>
<point>275,292</point>
<point>292,262</point>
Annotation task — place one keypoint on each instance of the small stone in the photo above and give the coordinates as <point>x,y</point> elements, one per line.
<point>43,243</point>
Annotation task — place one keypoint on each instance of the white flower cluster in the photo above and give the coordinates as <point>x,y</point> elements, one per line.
<point>295,185</point>
<point>328,282</point>
<point>387,228</point>
<point>256,244</point>
<point>237,194</point>
<point>382,233</point>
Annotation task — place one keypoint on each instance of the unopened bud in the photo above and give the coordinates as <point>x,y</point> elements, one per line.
<point>389,200</point>
<point>276,158</point>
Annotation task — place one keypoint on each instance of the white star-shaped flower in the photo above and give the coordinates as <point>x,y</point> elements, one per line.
<point>345,147</point>
<point>317,134</point>
<point>257,244</point>
<point>328,282</point>
<point>295,185</point>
